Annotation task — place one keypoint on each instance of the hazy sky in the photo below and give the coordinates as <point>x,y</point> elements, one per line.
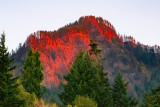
<point>137,18</point>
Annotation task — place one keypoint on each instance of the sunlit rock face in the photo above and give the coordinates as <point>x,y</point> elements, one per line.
<point>59,48</point>
<point>57,54</point>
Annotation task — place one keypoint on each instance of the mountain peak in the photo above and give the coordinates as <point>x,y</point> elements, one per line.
<point>58,48</point>
<point>120,53</point>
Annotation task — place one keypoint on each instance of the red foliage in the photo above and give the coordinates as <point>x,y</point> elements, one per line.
<point>130,40</point>
<point>59,48</point>
<point>57,54</point>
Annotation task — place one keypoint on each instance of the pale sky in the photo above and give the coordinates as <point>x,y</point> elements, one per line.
<point>137,18</point>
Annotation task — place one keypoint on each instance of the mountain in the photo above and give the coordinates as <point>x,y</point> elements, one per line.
<point>138,63</point>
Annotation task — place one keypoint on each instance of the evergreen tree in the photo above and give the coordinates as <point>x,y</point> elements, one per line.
<point>8,85</point>
<point>32,75</point>
<point>94,48</point>
<point>152,99</point>
<point>119,93</point>
<point>86,78</point>
<point>105,82</point>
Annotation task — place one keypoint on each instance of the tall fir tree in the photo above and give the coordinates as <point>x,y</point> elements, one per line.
<point>119,93</point>
<point>94,48</point>
<point>32,75</point>
<point>86,78</point>
<point>105,82</point>
<point>8,85</point>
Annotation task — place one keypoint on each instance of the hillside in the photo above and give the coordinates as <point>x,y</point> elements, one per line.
<point>138,63</point>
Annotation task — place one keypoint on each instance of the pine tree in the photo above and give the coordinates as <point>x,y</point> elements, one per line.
<point>8,85</point>
<point>152,98</point>
<point>32,75</point>
<point>94,48</point>
<point>119,93</point>
<point>104,79</point>
<point>86,78</point>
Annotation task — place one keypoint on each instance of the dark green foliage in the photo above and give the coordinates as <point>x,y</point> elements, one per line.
<point>143,53</point>
<point>8,85</point>
<point>155,79</point>
<point>19,53</point>
<point>86,78</point>
<point>152,98</point>
<point>94,48</point>
<point>32,75</point>
<point>119,93</point>
<point>138,90</point>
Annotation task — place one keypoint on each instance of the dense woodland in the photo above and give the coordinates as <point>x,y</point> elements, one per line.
<point>87,83</point>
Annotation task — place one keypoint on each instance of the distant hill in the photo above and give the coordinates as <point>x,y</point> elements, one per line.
<point>139,64</point>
